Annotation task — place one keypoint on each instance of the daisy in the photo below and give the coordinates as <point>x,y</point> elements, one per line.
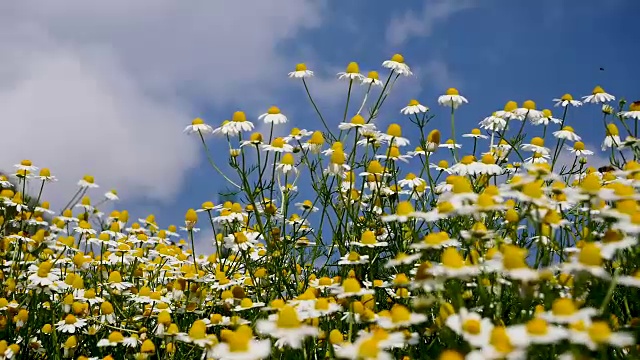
<point>239,123</point>
<point>368,239</point>
<point>70,324</point>
<point>198,127</point>
<point>365,347</point>
<point>306,205</point>
<point>589,259</point>
<point>528,112</point>
<point>357,122</point>
<point>45,175</point>
<point>536,145</point>
<point>26,165</point>
<point>278,145</point>
<point>565,100</point>
<point>476,134</point>
<point>508,112</point>
<point>404,212</point>
<point>599,334</point>
<point>546,119</point>
<point>473,328</point>
<point>301,72</point>
<point>493,123</point>
<point>435,240</point>
<point>452,98</point>
<point>372,79</point>
<point>353,258</point>
<point>394,136</point>
<point>453,265</point>
<point>393,153</point>
<point>240,345</point>
<point>396,64</point>
<point>536,331</point>
<point>564,311</point>
<point>442,165</point>
<point>633,113</point>
<point>400,317</point>
<point>297,134</point>
<point>598,95</point>
<point>287,328</point>
<point>578,149</point>
<point>411,181</point>
<point>112,195</point>
<point>612,137</point>
<point>287,165</point>
<point>450,144</point>
<point>87,181</point>
<point>273,116</point>
<point>567,133</point>
<point>352,73</point>
<point>414,107</point>
<point>350,287</point>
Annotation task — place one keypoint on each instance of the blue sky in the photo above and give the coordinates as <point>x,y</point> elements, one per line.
<point>154,67</point>
<point>492,51</point>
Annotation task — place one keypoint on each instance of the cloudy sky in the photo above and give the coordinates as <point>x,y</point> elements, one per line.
<point>106,88</point>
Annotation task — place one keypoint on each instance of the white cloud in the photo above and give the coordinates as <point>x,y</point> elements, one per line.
<point>421,23</point>
<point>106,87</point>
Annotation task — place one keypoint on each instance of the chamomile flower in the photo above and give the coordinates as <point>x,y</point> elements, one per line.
<point>546,119</point>
<point>598,96</point>
<point>372,79</point>
<point>198,127</point>
<point>87,181</point>
<point>301,72</point>
<point>536,331</point>
<point>476,134</point>
<point>286,328</point>
<point>579,149</point>
<point>566,100</point>
<point>350,287</point>
<point>240,345</point>
<point>278,145</point>
<point>565,311</point>
<point>414,107</point>
<point>397,64</point>
<point>400,317</point>
<point>287,165</point>
<point>529,112</point>
<point>297,134</point>
<point>599,333</point>
<point>239,123</point>
<point>352,73</point>
<point>368,239</point>
<point>632,113</point>
<point>394,136</point>
<point>452,98</point>
<point>357,122</point>
<point>473,328</point>
<point>567,133</point>
<point>493,123</point>
<point>273,116</point>
<point>612,138</point>
<point>70,324</point>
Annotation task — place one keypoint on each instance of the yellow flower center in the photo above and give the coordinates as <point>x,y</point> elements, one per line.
<point>452,91</point>
<point>398,58</point>
<point>485,201</point>
<point>115,277</point>
<point>510,106</point>
<point>514,257</point>
<point>404,208</point>
<point>351,285</point>
<point>394,130</point>
<point>239,116</point>
<point>239,340</point>
<point>273,110</point>
<point>597,90</point>
<point>563,307</point>
<point>612,130</point>
<point>288,318</point>
<point>358,120</point>
<point>400,314</point>
<point>368,237</point>
<point>373,75</point>
<point>578,145</point>
<point>443,164</point>
<point>413,102</point>
<point>434,137</point>
<point>529,105</point>
<point>599,332</point>
<point>368,349</point>
<point>590,255</point>
<point>450,355</point>
<point>537,141</point>
<point>451,258</point>
<point>445,207</point>
<point>353,68</point>
<point>316,138</point>
<point>472,326</point>
<point>533,189</point>
<point>547,113</point>
<point>567,97</point>
<point>476,132</point>
<point>198,330</point>
<point>278,142</point>
<point>488,159</point>
<point>116,337</point>
<point>301,67</point>
<point>635,106</point>
<point>246,303</point>
<point>537,326</point>
<point>70,319</point>
<point>287,159</point>
<point>500,340</point>
<point>322,304</point>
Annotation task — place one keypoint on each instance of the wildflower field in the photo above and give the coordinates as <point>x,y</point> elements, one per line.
<point>348,242</point>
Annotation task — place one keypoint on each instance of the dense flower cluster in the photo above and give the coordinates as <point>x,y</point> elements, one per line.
<point>505,250</point>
